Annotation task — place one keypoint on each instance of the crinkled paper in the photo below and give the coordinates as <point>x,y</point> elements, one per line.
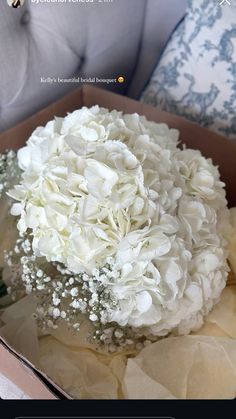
<point>198,366</point>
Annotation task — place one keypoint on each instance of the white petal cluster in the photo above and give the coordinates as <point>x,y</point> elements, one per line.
<point>99,186</point>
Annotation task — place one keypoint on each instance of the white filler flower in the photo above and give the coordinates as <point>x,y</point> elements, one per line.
<point>101,187</point>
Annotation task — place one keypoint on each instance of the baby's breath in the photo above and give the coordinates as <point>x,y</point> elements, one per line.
<point>9,170</point>
<point>64,296</point>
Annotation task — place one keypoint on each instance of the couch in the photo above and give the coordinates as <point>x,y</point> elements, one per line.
<point>40,43</point>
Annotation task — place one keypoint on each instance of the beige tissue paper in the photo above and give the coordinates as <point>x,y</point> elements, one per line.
<point>80,371</point>
<point>202,365</point>
<point>187,367</point>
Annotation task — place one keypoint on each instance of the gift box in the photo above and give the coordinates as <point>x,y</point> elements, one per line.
<point>13,365</point>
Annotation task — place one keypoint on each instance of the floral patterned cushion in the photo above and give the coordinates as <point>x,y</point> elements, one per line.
<point>196,76</point>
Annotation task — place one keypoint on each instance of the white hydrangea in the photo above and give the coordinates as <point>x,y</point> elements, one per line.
<point>99,186</point>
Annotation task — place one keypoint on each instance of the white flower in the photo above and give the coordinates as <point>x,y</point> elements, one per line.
<point>142,245</point>
<point>100,188</point>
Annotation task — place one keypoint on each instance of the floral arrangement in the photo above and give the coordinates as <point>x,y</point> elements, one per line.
<point>119,224</point>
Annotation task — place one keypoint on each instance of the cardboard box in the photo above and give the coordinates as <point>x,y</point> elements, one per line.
<point>222,151</point>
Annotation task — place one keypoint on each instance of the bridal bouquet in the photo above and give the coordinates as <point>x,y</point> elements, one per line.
<point>116,224</point>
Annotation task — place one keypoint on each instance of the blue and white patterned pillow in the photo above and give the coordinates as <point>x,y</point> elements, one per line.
<point>196,76</point>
